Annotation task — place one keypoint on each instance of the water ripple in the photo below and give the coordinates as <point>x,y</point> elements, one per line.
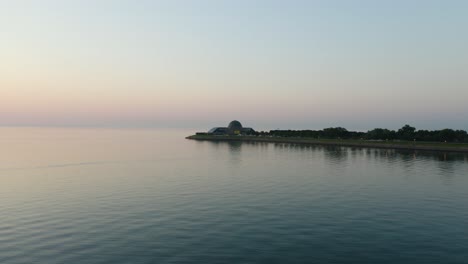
<point>224,203</point>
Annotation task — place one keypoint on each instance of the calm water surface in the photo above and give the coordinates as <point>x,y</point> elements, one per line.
<point>151,196</point>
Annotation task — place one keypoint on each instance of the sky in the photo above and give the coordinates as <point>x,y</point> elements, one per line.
<point>269,64</point>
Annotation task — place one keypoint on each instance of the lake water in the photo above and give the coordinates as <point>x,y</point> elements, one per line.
<point>151,196</point>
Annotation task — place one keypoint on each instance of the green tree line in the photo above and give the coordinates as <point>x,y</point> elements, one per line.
<point>407,133</point>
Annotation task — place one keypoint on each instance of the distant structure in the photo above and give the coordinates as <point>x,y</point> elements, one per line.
<point>234,128</point>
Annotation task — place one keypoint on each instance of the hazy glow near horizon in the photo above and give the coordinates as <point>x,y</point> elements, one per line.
<point>272,64</point>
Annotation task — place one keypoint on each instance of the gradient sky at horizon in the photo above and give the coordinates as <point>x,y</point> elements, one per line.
<point>270,64</point>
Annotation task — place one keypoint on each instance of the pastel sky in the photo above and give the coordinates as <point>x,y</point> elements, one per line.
<point>270,64</point>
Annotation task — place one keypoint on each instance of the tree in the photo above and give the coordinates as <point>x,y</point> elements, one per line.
<point>448,135</point>
<point>380,134</point>
<point>406,133</point>
<point>335,132</point>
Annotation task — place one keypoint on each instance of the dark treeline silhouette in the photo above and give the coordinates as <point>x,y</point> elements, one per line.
<point>407,133</point>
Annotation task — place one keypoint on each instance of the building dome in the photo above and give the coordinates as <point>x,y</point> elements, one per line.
<point>235,125</point>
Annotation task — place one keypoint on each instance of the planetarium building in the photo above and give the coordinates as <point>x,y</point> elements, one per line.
<point>234,128</point>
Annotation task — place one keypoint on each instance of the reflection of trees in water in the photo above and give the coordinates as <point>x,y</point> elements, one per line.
<point>408,155</point>
<point>445,161</point>
<point>336,153</point>
<point>342,153</point>
<point>436,156</point>
<point>291,146</point>
<point>448,162</point>
<point>262,145</point>
<point>446,169</point>
<point>389,155</point>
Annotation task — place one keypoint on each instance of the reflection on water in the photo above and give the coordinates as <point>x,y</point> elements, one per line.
<point>235,147</point>
<point>444,164</point>
<point>151,196</point>
<point>341,153</point>
<point>235,151</point>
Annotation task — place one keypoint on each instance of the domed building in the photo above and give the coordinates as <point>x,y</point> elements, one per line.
<point>234,128</point>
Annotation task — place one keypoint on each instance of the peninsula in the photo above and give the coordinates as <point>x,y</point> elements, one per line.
<point>407,137</point>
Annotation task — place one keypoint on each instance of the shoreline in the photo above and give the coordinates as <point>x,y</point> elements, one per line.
<point>403,145</point>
